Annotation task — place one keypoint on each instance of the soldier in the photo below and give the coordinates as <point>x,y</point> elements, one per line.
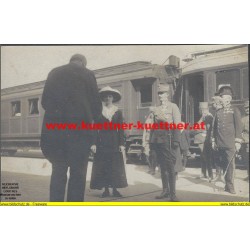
<point>204,141</point>
<point>184,146</point>
<point>149,153</point>
<point>245,136</point>
<point>216,104</point>
<point>227,136</point>
<point>166,142</point>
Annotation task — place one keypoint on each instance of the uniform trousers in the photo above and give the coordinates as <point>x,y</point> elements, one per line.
<point>152,160</point>
<point>166,159</point>
<point>227,161</point>
<point>245,155</point>
<point>206,159</point>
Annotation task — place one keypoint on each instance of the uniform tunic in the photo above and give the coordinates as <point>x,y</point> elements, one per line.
<point>245,130</point>
<point>227,127</point>
<point>245,144</point>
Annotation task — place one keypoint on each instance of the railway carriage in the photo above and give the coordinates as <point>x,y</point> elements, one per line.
<point>206,72</point>
<point>197,81</point>
<point>22,113</point>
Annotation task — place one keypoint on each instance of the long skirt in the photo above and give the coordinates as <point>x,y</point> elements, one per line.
<point>108,171</point>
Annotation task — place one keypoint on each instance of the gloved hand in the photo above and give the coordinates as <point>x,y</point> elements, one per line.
<point>93,149</point>
<point>121,148</point>
<point>237,146</point>
<point>214,146</point>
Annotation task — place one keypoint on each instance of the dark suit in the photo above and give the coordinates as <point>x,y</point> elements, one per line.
<point>70,96</point>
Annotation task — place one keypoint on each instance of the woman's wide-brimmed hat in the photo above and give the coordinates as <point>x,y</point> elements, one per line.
<point>110,91</point>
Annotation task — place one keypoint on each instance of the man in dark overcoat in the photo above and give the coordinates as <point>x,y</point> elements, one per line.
<point>70,96</point>
<point>226,136</point>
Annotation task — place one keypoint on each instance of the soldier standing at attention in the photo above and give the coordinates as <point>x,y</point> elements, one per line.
<point>166,142</point>
<point>205,144</point>
<point>245,135</point>
<point>216,104</point>
<point>227,136</point>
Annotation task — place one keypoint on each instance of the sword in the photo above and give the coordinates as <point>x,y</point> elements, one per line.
<point>224,175</point>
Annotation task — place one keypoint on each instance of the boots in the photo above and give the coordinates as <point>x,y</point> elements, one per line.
<point>164,194</point>
<point>172,182</point>
<point>165,185</point>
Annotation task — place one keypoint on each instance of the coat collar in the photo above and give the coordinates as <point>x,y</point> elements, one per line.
<point>108,113</point>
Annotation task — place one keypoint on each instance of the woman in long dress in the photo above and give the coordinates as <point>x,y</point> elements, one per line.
<point>108,169</point>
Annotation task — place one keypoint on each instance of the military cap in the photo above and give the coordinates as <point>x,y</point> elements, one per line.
<point>226,90</point>
<point>162,88</point>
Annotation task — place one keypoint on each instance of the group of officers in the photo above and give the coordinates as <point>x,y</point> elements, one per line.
<point>71,96</point>
<point>226,135</point>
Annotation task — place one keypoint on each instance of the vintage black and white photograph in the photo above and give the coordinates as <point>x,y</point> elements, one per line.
<point>125,123</point>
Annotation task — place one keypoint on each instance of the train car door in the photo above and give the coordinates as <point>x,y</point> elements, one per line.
<point>192,93</point>
<point>145,97</point>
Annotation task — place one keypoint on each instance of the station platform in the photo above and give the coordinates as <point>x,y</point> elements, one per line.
<point>33,178</point>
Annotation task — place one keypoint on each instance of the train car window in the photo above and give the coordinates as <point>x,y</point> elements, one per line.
<point>146,95</point>
<point>16,108</point>
<point>229,78</point>
<point>245,83</point>
<point>33,106</point>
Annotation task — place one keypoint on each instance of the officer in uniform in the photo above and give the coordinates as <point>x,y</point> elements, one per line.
<point>227,131</point>
<point>245,136</point>
<point>166,142</point>
<point>204,141</point>
<point>216,104</point>
<point>149,153</point>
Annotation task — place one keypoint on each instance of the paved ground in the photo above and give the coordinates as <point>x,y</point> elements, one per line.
<point>33,177</point>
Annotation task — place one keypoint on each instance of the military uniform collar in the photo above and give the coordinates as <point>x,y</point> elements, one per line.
<point>228,107</point>
<point>165,104</point>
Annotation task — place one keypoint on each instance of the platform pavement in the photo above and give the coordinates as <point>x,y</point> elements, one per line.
<point>33,178</point>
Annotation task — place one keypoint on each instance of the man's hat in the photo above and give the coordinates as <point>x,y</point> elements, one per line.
<point>162,88</point>
<point>203,105</point>
<point>226,90</point>
<point>246,104</point>
<point>216,96</point>
<point>110,91</point>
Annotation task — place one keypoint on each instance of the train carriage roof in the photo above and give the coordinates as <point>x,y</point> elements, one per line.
<point>134,70</point>
<point>202,61</point>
